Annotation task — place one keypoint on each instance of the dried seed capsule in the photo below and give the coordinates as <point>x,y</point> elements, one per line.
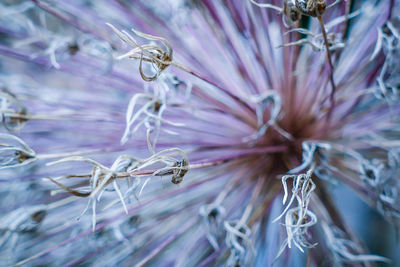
<point>291,11</point>
<point>158,56</point>
<point>313,8</point>
<point>179,172</point>
<point>12,112</point>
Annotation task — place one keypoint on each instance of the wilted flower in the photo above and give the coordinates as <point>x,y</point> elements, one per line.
<point>196,133</point>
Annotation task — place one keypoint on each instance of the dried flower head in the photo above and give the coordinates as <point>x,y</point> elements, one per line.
<point>313,8</point>
<point>12,111</point>
<point>215,133</point>
<point>14,152</point>
<point>159,58</point>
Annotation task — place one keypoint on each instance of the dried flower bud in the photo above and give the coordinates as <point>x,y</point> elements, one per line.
<point>14,152</point>
<point>12,112</point>
<point>291,11</point>
<point>344,249</point>
<point>22,220</point>
<point>238,238</point>
<point>159,57</point>
<point>244,111</point>
<point>313,8</point>
<point>180,171</point>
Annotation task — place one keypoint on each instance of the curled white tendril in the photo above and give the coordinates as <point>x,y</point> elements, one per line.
<point>388,81</point>
<point>291,14</point>
<point>292,10</point>
<point>345,250</point>
<point>297,229</point>
<point>212,216</point>
<point>388,187</point>
<point>381,178</point>
<point>298,219</point>
<point>309,149</point>
<point>24,219</point>
<point>97,48</point>
<point>148,115</point>
<point>379,175</point>
<point>57,46</point>
<point>371,171</point>
<point>13,16</point>
<point>316,41</point>
<point>178,167</point>
<point>238,237</point>
<point>263,101</point>
<point>302,188</point>
<point>159,57</point>
<point>102,176</point>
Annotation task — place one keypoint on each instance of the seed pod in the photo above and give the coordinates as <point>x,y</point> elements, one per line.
<point>313,8</point>
<point>291,11</point>
<point>179,172</point>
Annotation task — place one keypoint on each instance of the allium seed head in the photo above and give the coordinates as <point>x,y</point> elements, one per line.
<point>198,133</point>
